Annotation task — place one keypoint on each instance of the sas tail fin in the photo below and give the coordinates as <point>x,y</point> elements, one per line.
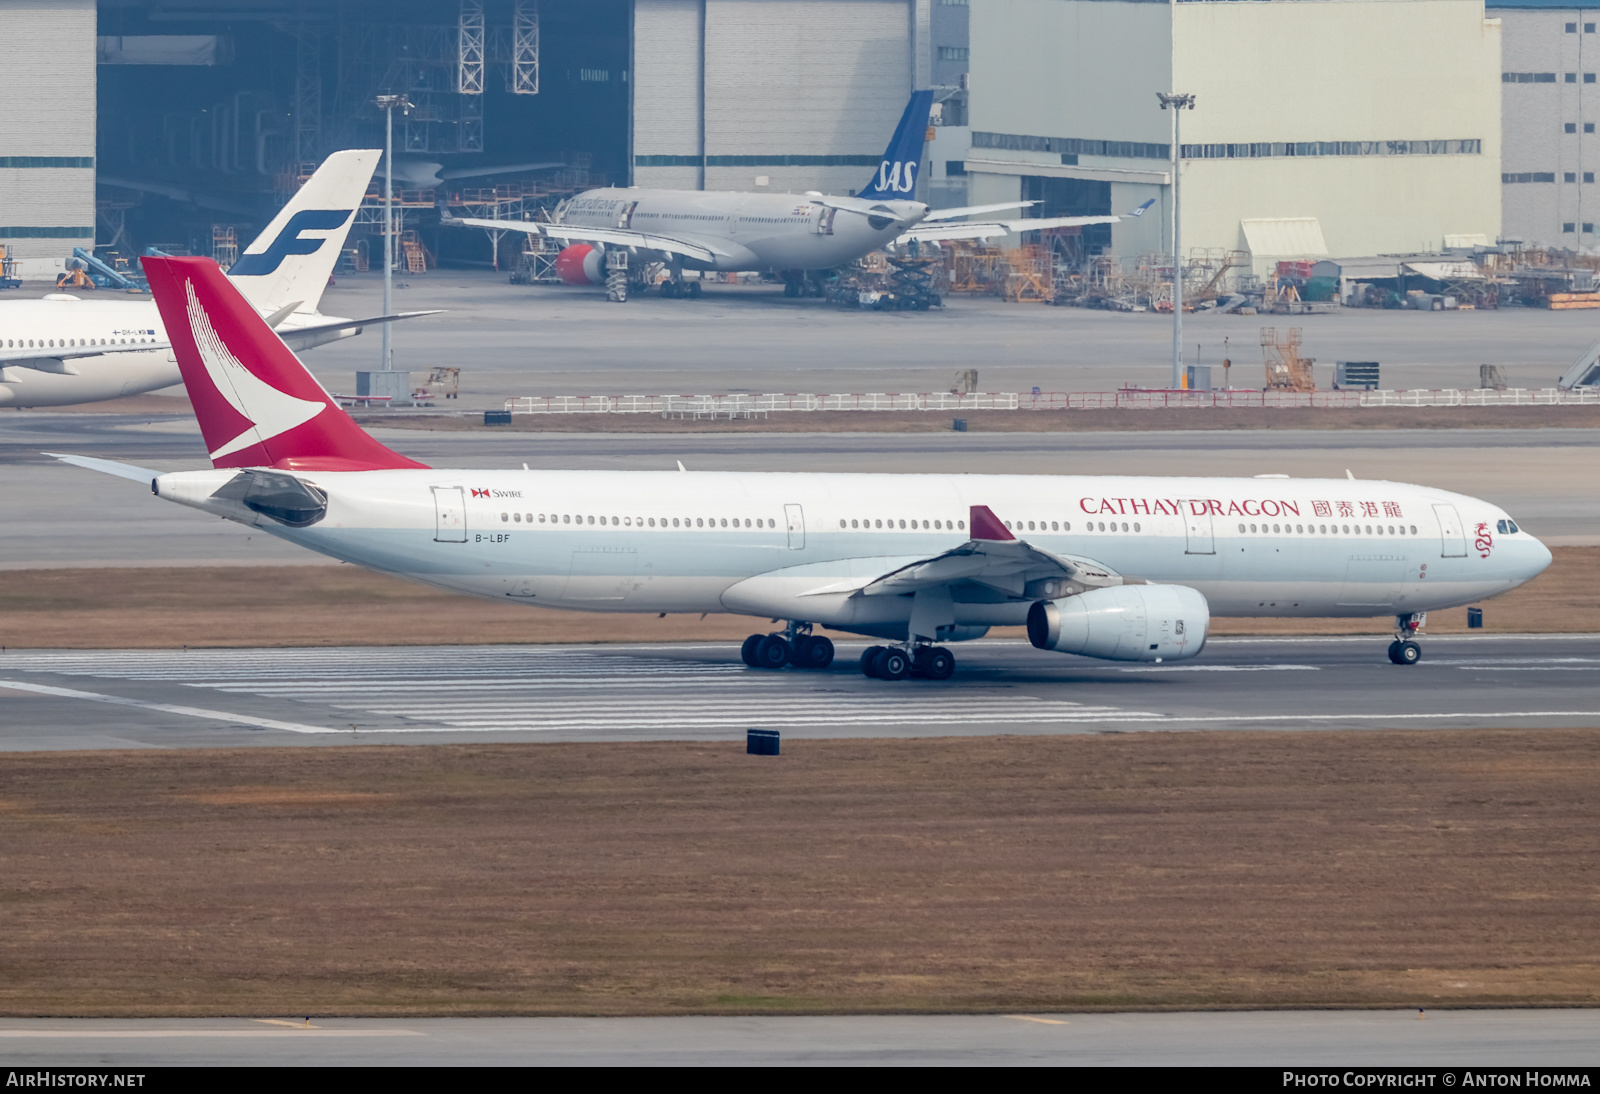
<point>896,177</point>
<point>256,403</point>
<point>291,260</point>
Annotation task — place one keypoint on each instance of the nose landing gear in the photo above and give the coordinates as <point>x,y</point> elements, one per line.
<point>796,646</point>
<point>1404,650</point>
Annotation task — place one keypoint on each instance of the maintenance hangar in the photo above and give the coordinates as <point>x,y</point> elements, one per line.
<point>1550,103</point>
<point>183,124</point>
<point>1315,126</point>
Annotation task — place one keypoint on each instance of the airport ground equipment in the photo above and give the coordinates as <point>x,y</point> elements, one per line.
<point>1286,369</point>
<point>1585,371</point>
<point>105,276</point>
<point>8,270</point>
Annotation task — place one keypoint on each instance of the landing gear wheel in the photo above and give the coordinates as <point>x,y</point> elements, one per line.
<point>933,663</point>
<point>772,652</point>
<point>1410,653</point>
<point>868,656</point>
<point>669,289</point>
<point>1394,652</point>
<point>694,290</point>
<point>812,652</point>
<point>748,650</point>
<point>891,663</point>
<point>791,290</point>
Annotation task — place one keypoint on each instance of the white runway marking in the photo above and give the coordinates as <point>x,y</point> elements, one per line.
<point>584,691</point>
<point>165,708</point>
<point>508,690</point>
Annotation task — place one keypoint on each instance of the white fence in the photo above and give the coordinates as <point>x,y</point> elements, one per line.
<point>746,406</point>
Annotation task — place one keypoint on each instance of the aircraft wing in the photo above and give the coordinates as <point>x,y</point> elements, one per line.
<point>989,229</point>
<point>996,559</point>
<point>616,237</point>
<point>299,338</point>
<point>974,210</point>
<point>59,360</point>
<point>993,558</point>
<point>933,233</point>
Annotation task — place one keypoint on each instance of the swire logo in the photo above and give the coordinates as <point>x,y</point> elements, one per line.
<point>479,493</point>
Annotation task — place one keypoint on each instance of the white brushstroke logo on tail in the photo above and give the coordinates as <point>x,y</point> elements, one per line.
<point>269,410</point>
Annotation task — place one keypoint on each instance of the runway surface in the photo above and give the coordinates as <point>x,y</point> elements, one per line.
<point>59,515</point>
<point>1337,1039</point>
<point>89,699</point>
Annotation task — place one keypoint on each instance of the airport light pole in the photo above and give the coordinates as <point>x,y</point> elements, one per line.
<point>1176,102</point>
<point>388,103</point>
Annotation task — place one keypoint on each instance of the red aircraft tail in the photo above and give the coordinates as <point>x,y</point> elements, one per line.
<point>256,403</point>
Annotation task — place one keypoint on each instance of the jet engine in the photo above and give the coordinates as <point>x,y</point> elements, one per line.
<point>1124,623</point>
<point>581,264</point>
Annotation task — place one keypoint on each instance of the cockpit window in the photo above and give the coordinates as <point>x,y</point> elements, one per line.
<point>1505,527</point>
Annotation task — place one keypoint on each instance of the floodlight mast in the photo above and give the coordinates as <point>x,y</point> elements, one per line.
<point>387,104</point>
<point>1176,102</point>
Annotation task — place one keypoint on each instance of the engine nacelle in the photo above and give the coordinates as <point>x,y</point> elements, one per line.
<point>581,264</point>
<point>1124,623</point>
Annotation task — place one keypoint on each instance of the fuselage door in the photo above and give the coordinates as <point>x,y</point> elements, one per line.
<point>795,518</point>
<point>450,514</point>
<point>625,218</point>
<point>1453,544</point>
<point>823,225</point>
<point>1198,528</point>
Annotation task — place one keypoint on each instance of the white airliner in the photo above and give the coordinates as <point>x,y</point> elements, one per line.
<point>1129,569</point>
<point>65,349</point>
<point>724,230</point>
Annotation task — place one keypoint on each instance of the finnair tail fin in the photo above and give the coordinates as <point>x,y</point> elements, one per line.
<point>256,404</point>
<point>896,177</point>
<point>291,260</point>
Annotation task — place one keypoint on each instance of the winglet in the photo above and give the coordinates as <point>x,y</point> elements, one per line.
<point>985,525</point>
<point>1139,212</point>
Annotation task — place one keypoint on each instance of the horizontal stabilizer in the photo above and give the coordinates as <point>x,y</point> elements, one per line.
<point>107,467</point>
<point>300,338</point>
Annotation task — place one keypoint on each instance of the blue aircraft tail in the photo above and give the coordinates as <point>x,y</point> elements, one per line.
<point>896,177</point>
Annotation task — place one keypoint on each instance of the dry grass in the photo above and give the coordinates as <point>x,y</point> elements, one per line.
<point>1145,870</point>
<point>343,605</point>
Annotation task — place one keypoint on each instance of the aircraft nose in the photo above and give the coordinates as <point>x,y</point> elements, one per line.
<point>1539,557</point>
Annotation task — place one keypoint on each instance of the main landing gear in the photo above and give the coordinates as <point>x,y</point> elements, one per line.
<point>797,646</point>
<point>1404,650</point>
<point>674,289</point>
<point>895,663</point>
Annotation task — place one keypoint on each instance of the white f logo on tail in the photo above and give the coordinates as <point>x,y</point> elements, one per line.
<point>269,410</point>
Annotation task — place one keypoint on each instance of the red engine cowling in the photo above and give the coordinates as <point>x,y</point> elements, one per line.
<point>581,264</point>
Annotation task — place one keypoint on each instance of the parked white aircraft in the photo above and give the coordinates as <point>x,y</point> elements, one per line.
<point>1129,569</point>
<point>66,349</point>
<point>604,230</point>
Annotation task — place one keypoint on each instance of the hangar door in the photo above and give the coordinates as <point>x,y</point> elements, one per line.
<point>784,83</point>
